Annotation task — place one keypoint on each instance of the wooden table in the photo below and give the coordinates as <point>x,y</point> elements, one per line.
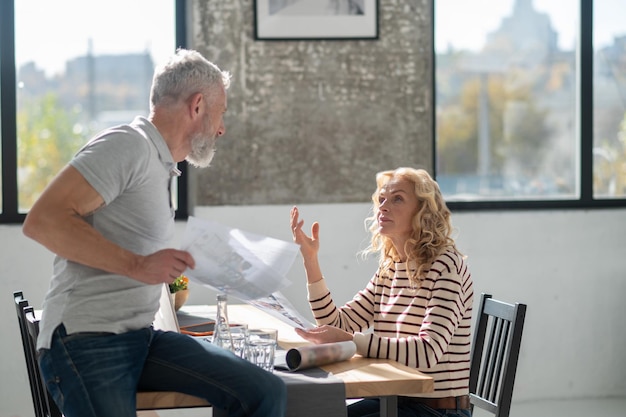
<point>362,377</point>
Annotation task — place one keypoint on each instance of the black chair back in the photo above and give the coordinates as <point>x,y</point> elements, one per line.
<point>43,404</point>
<point>495,352</point>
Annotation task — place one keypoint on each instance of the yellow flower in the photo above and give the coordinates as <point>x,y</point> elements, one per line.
<point>179,284</point>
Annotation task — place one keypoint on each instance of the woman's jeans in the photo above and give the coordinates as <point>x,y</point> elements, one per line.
<point>98,374</point>
<point>371,408</point>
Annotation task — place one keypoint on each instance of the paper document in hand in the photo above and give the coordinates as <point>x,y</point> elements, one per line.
<point>246,265</point>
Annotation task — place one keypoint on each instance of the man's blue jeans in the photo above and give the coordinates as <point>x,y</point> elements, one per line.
<point>98,374</point>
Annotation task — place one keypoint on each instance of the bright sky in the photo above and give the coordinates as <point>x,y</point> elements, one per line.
<point>458,18</point>
<point>51,32</point>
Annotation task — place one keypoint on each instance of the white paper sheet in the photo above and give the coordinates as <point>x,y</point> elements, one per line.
<point>232,261</point>
<point>278,306</point>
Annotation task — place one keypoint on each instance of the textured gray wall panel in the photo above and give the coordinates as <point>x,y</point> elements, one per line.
<point>313,121</point>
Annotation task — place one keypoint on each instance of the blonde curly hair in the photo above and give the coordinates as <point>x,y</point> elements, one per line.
<point>432,227</point>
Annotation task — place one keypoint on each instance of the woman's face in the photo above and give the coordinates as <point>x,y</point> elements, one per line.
<point>398,205</point>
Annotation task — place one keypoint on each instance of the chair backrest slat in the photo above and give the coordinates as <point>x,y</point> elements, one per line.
<point>495,352</point>
<point>491,354</point>
<point>501,350</point>
<point>477,367</point>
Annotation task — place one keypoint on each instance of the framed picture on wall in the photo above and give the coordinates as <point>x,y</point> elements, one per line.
<point>315,19</point>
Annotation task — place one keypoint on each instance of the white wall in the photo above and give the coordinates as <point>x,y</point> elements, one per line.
<point>568,266</point>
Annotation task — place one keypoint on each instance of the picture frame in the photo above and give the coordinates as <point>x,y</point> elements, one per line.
<point>315,19</point>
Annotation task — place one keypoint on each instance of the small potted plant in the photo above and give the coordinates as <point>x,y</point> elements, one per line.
<point>179,290</point>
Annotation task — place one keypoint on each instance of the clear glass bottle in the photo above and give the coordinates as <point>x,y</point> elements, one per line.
<point>222,325</point>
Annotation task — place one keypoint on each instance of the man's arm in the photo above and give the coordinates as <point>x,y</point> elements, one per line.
<point>56,220</point>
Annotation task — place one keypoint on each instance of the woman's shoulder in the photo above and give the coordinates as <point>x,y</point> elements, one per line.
<point>452,259</point>
<point>452,253</point>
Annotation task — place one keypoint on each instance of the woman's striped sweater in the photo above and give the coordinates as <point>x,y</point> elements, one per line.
<point>427,327</point>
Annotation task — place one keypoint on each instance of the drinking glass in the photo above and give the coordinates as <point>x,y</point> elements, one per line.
<point>233,338</point>
<point>261,347</point>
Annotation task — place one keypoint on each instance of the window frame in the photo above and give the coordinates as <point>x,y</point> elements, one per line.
<point>8,129</point>
<point>584,106</point>
<point>8,115</point>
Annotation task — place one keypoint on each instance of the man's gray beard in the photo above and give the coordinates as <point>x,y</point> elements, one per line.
<point>202,152</point>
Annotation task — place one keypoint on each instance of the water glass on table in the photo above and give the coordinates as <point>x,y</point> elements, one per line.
<point>261,347</point>
<point>233,338</point>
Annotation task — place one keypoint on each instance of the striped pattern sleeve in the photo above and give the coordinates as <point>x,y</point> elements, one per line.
<point>354,316</point>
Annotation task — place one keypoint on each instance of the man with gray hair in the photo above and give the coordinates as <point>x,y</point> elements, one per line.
<point>108,218</point>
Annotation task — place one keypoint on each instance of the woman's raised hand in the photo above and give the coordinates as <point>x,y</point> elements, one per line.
<point>309,245</point>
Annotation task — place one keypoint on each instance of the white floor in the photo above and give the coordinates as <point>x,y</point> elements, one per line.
<point>607,407</point>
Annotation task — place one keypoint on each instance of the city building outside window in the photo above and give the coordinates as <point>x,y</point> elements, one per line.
<point>508,114</point>
<point>80,67</point>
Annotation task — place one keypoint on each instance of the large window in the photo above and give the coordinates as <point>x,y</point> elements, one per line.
<point>515,122</point>
<point>74,68</point>
<point>529,95</point>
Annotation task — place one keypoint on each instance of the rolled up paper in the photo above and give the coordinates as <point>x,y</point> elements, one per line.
<point>310,356</point>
